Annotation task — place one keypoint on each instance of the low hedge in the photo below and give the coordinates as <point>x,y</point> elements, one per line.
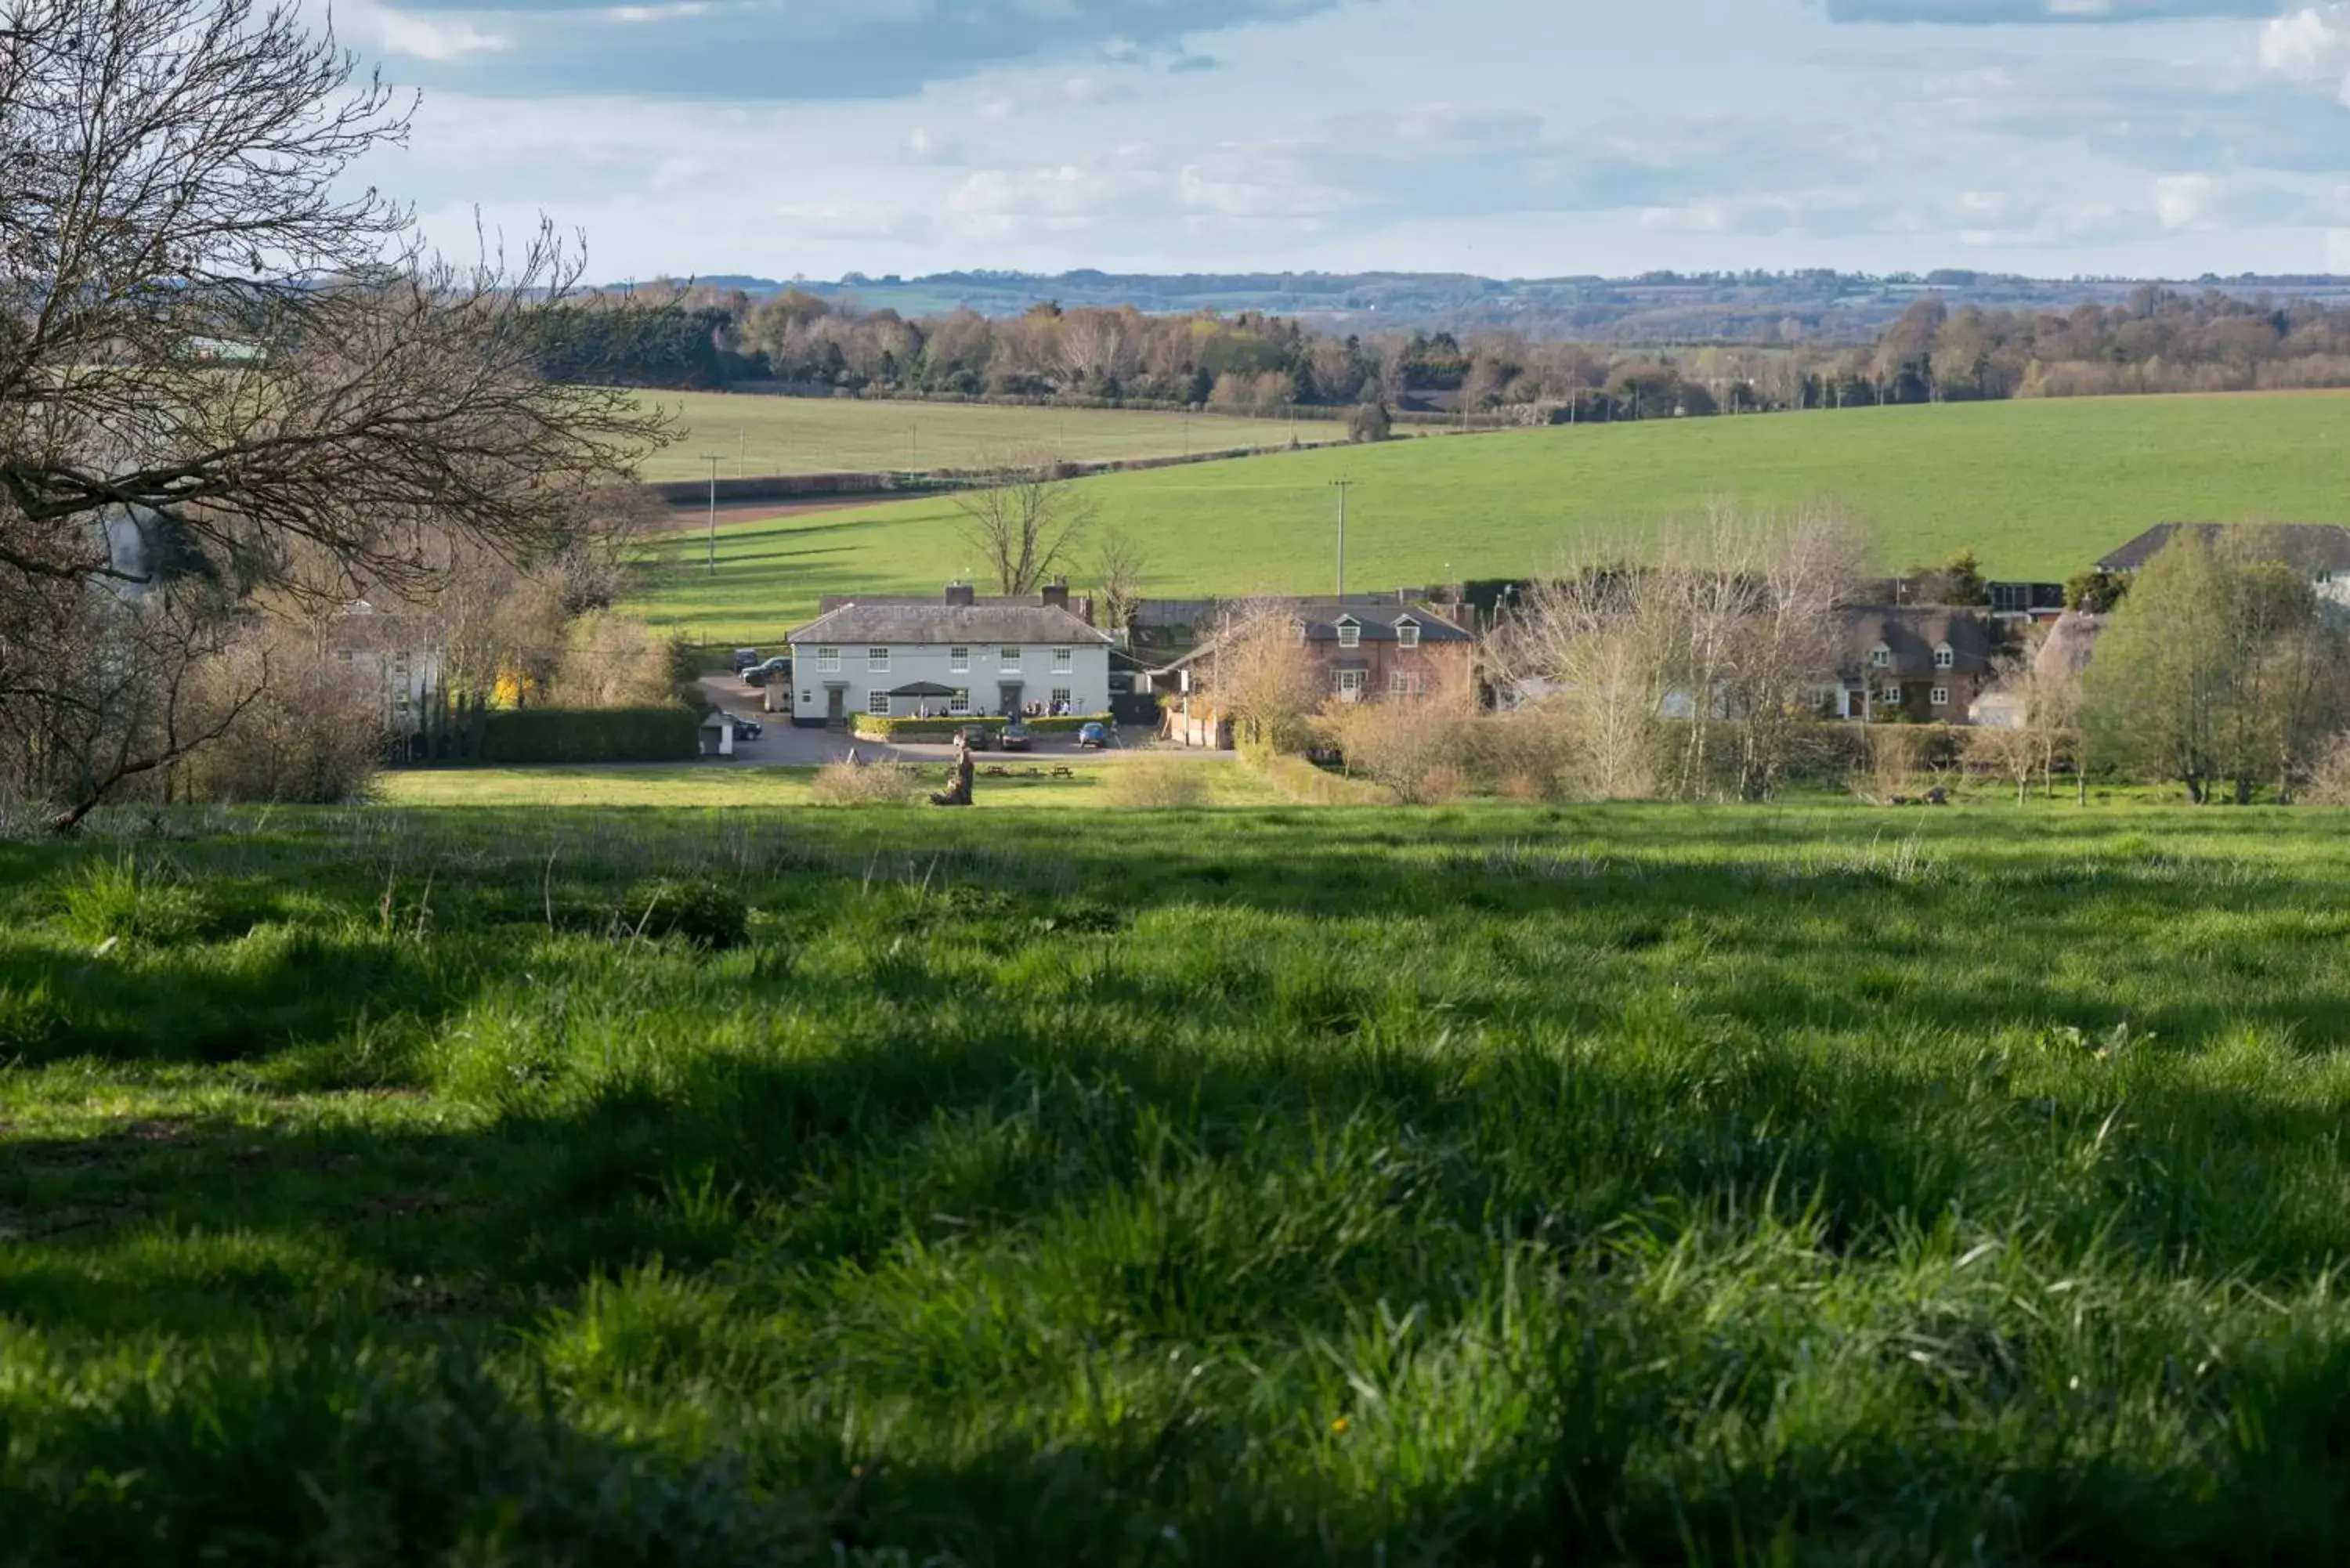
<point>873,727</point>
<point>526,736</point>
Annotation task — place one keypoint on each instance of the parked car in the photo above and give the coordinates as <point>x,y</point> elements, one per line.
<point>1093,735</point>
<point>774,669</point>
<point>977,737</point>
<point>747,729</point>
<point>745,658</point>
<point>1016,738</point>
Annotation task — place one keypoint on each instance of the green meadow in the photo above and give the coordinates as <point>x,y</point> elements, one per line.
<point>751,434</point>
<point>1487,1185</point>
<point>2038,489</point>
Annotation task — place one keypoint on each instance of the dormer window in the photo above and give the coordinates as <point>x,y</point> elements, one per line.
<point>1406,634</point>
<point>1301,631</point>
<point>1945,657</point>
<point>1880,657</point>
<point>1350,634</point>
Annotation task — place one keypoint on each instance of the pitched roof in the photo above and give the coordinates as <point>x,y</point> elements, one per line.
<point>1911,634</point>
<point>905,623</point>
<point>1378,622</point>
<point>2315,546</point>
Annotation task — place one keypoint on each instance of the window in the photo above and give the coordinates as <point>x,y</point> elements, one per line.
<point>1010,658</point>
<point>1061,700</point>
<point>1892,693</point>
<point>958,659</point>
<point>1301,631</point>
<point>1063,660</point>
<point>877,659</point>
<point>959,703</point>
<point>828,661</point>
<point>1944,658</point>
<point>400,664</point>
<point>1350,686</point>
<point>807,698</point>
<point>1939,697</point>
<point>1349,634</point>
<point>1880,655</point>
<point>342,656</point>
<point>1406,634</point>
<point>399,700</point>
<point>1407,683</point>
<point>878,704</point>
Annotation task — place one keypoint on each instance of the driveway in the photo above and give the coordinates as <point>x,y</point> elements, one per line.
<point>781,745</point>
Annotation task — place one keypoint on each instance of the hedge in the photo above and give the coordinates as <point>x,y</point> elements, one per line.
<point>873,727</point>
<point>532,735</point>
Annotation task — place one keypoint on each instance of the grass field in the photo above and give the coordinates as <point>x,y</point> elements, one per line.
<point>706,787</point>
<point>2040,490</point>
<point>758,435</point>
<point>1486,1185</point>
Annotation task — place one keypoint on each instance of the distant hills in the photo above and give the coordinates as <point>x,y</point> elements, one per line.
<point>1655,307</point>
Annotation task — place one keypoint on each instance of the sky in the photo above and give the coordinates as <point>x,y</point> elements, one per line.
<point>1509,138</point>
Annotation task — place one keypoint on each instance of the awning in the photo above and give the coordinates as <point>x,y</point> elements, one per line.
<point>924,688</point>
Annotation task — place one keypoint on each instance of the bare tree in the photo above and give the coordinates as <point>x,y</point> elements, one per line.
<point>1120,564</point>
<point>1259,675</point>
<point>1026,521</point>
<point>220,369</point>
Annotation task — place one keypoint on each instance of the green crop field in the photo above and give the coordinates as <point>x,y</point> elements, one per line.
<point>2038,489</point>
<point>755,436</point>
<point>1484,1185</point>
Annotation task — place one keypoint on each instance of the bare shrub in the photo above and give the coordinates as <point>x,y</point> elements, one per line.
<point>1522,756</point>
<point>2329,783</point>
<point>1414,747</point>
<point>1166,784</point>
<point>851,784</point>
<point>1259,675</point>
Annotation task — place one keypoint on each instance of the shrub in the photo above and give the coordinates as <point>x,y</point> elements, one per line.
<point>2329,778</point>
<point>123,900</point>
<point>847,783</point>
<point>702,913</point>
<point>1163,782</point>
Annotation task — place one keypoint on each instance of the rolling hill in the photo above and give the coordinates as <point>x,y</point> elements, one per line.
<point>2038,489</point>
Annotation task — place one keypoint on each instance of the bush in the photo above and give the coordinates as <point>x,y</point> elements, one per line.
<point>846,783</point>
<point>529,736</point>
<point>702,913</point>
<point>123,900</point>
<point>2329,779</point>
<point>1165,783</point>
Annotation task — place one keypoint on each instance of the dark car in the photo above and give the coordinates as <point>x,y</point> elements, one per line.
<point>747,729</point>
<point>977,737</point>
<point>745,658</point>
<point>774,668</point>
<point>1016,738</point>
<point>1093,735</point>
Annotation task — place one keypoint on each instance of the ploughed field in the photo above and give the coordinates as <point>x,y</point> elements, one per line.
<point>2038,489</point>
<point>1487,1185</point>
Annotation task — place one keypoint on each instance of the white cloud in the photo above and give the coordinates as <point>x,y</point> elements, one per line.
<point>2180,200</point>
<point>421,38</point>
<point>2307,45</point>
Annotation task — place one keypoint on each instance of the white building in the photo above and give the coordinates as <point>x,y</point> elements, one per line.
<point>391,654</point>
<point>952,657</point>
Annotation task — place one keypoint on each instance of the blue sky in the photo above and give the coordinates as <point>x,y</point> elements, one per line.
<point>1513,138</point>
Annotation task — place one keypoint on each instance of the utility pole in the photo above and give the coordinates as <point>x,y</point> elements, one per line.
<point>1341,486</point>
<point>713,460</point>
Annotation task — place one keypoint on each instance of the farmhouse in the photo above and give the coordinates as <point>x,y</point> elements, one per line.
<point>955,655</point>
<point>1929,663</point>
<point>391,655</point>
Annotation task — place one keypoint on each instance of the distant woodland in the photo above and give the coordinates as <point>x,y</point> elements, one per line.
<point>2156,339</point>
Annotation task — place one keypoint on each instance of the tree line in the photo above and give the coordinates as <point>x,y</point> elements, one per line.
<point>2158,340</point>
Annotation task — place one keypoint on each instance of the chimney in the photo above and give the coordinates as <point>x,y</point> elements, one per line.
<point>1056,594</point>
<point>959,594</point>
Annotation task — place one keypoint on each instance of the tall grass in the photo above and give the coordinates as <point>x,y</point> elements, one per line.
<point>1471,1185</point>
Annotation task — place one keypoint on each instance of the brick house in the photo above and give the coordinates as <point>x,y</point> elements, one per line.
<point>1926,661</point>
<point>1366,648</point>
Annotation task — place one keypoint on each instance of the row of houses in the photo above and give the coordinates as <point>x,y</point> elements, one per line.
<point>958,654</point>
